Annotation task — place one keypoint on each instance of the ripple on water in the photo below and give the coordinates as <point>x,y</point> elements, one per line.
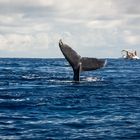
<point>39,100</point>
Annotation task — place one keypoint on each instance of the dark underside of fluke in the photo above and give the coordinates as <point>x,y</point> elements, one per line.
<point>79,63</point>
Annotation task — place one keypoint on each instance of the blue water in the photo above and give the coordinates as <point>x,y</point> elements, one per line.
<point>38,100</point>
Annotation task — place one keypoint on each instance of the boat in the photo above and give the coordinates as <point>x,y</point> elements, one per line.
<point>129,54</point>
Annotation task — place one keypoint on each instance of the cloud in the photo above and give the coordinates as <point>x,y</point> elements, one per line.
<point>14,42</point>
<point>36,26</point>
<point>27,2</point>
<point>129,7</point>
<point>104,24</point>
<point>131,38</point>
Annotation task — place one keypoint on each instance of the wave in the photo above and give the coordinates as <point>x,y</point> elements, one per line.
<point>92,79</point>
<point>56,82</point>
<point>30,77</point>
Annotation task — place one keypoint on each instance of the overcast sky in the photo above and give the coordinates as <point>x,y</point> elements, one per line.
<point>94,28</point>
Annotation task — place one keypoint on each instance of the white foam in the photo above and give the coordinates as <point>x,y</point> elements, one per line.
<point>92,79</point>
<point>82,79</point>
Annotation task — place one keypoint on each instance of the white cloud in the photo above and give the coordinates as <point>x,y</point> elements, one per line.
<point>38,25</point>
<point>13,42</point>
<point>29,2</point>
<point>104,24</point>
<point>131,38</point>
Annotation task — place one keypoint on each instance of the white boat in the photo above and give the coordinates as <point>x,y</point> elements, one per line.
<point>130,54</point>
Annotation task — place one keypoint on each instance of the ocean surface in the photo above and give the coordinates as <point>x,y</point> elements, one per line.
<point>39,100</point>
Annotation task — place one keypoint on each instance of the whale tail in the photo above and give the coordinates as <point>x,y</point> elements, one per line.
<point>79,63</point>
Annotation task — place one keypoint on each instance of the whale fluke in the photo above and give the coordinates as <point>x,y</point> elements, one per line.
<point>79,63</point>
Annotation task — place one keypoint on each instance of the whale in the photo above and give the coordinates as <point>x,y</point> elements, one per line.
<point>78,63</point>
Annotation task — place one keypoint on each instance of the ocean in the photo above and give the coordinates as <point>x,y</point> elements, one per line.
<point>39,100</point>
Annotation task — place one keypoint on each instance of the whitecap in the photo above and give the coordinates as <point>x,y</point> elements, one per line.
<point>20,100</point>
<point>9,137</point>
<point>92,79</point>
<point>30,77</point>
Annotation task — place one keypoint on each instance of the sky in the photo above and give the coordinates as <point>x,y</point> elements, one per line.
<point>94,28</point>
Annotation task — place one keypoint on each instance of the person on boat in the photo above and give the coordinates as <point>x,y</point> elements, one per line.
<point>135,53</point>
